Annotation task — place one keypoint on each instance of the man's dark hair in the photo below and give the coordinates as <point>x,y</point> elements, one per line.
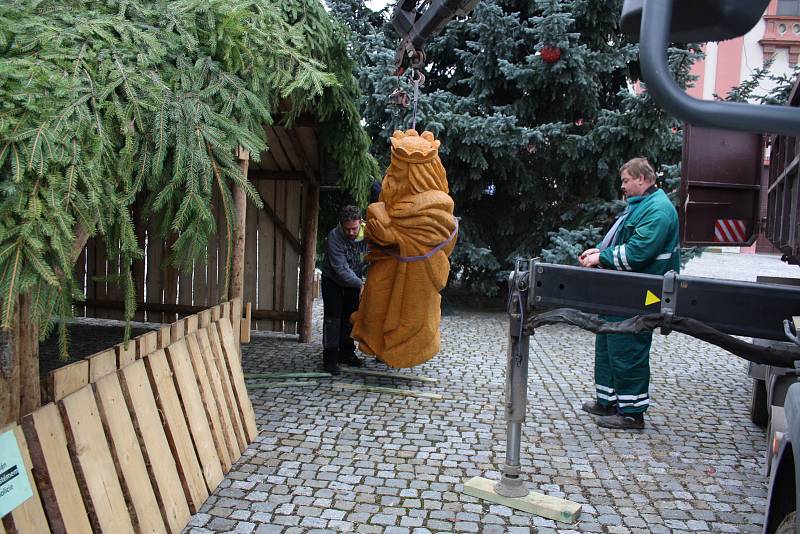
<point>349,213</point>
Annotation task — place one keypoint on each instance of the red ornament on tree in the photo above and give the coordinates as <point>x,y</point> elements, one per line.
<point>550,54</point>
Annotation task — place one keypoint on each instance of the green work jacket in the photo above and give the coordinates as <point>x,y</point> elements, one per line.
<point>648,241</point>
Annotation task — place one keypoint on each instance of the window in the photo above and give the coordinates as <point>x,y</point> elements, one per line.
<point>788,7</point>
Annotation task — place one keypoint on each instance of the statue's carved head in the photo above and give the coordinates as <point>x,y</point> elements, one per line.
<point>415,166</point>
<point>411,147</point>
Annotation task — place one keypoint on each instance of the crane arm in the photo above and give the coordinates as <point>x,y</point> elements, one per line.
<point>416,25</point>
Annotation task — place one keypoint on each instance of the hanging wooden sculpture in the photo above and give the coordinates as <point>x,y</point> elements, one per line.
<point>412,231</point>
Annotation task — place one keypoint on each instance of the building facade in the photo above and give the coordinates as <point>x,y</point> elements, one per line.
<point>776,37</point>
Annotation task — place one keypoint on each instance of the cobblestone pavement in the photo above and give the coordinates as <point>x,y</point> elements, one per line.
<point>334,460</point>
<point>740,266</point>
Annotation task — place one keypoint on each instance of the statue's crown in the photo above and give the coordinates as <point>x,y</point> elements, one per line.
<point>414,148</point>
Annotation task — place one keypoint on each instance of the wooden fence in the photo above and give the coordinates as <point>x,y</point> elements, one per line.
<point>137,437</point>
<point>272,263</point>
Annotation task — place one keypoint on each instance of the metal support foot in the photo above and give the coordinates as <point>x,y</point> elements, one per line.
<point>511,484</point>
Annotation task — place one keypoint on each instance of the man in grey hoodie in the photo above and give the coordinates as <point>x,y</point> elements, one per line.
<point>342,279</point>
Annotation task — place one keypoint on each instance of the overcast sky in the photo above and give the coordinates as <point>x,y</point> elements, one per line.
<point>378,4</point>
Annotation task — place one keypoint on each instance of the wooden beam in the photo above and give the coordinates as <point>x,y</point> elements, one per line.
<point>155,307</point>
<point>395,376</point>
<point>276,315</point>
<point>9,373</point>
<point>27,347</point>
<point>263,174</point>
<point>239,231</point>
<point>533,503</point>
<point>309,254</point>
<point>280,225</point>
<point>185,309</point>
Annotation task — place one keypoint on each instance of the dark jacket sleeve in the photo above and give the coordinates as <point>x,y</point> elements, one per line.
<point>338,260</point>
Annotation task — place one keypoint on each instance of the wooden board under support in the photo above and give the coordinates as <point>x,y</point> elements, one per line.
<point>534,502</point>
<point>170,486</point>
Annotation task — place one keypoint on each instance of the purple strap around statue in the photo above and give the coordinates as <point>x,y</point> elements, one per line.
<point>409,259</point>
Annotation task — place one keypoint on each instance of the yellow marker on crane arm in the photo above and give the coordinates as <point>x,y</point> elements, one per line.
<point>650,298</point>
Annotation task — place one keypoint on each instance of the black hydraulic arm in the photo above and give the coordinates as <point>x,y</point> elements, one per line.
<point>709,309</point>
<point>415,25</point>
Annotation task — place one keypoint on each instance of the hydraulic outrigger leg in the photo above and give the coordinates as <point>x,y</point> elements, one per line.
<point>511,484</point>
<point>511,490</point>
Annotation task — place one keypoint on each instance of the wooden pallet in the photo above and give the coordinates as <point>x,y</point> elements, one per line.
<point>137,436</point>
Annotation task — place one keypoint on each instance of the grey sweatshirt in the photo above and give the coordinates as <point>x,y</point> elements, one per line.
<point>343,259</point>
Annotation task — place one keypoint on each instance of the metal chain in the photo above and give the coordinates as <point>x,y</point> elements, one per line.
<point>417,78</point>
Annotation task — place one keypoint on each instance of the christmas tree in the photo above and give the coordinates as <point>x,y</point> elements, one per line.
<point>536,107</point>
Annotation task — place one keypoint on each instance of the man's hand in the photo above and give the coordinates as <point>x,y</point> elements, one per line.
<point>583,259</point>
<point>590,258</point>
<point>587,252</point>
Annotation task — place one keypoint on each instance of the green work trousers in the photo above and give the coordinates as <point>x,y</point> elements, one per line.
<point>622,370</point>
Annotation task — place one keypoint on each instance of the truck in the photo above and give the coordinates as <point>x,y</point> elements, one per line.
<point>720,205</point>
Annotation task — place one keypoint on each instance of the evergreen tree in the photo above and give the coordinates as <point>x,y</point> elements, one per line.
<point>102,101</point>
<point>535,107</point>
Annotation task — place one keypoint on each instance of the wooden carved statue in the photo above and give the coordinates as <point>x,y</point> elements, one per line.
<point>412,231</point>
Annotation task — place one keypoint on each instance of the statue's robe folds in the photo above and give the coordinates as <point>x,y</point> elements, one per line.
<point>400,310</point>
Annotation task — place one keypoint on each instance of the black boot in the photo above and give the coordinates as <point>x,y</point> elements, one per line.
<point>599,409</point>
<point>347,354</point>
<point>623,421</point>
<point>350,358</point>
<point>330,361</point>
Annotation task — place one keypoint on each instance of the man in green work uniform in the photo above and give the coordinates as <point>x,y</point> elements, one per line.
<point>644,239</point>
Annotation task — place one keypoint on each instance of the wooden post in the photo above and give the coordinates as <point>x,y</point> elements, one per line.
<point>237,268</point>
<point>309,254</point>
<point>9,373</point>
<point>28,350</point>
<point>20,391</point>
<point>310,217</point>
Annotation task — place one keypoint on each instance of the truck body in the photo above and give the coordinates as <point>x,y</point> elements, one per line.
<point>722,205</point>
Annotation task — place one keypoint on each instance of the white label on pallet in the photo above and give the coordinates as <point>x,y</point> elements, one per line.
<point>15,487</point>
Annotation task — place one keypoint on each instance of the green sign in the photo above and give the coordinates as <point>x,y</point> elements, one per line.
<point>15,487</point>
